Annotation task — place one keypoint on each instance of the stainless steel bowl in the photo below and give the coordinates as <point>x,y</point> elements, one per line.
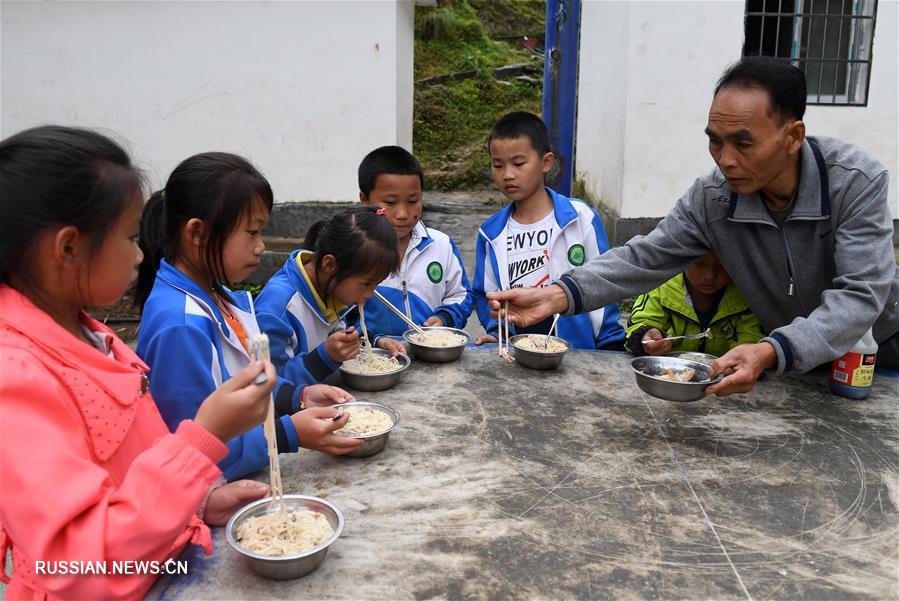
<point>537,359</point>
<point>376,382</point>
<point>285,567</point>
<point>374,443</point>
<point>648,369</point>
<point>436,354</point>
<point>693,356</point>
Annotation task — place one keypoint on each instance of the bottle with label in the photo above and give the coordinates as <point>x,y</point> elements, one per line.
<point>852,374</point>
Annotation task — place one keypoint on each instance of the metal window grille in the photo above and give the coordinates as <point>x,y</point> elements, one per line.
<point>830,40</point>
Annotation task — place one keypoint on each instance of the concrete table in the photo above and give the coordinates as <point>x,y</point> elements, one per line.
<point>502,482</point>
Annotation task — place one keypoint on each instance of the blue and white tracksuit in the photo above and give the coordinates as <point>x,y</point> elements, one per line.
<point>579,237</point>
<point>297,329</point>
<point>430,282</point>
<point>191,350</point>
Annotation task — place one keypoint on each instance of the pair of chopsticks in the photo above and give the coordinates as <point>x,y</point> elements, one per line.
<point>402,315</point>
<point>501,323</point>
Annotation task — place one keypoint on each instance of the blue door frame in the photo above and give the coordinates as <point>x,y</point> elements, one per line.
<point>563,26</point>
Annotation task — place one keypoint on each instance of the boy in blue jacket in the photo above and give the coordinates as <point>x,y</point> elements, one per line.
<point>538,237</point>
<point>430,286</point>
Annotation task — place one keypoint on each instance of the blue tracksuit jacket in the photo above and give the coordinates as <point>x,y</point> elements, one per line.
<point>191,350</point>
<point>577,237</point>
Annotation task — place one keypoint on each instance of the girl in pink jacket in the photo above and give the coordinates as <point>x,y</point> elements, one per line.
<point>90,477</point>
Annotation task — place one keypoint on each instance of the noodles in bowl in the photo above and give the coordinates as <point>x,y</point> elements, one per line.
<point>365,420</point>
<point>269,534</point>
<point>537,343</point>
<point>371,363</point>
<point>438,338</point>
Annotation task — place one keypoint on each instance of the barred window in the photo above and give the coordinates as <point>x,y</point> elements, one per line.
<point>830,40</point>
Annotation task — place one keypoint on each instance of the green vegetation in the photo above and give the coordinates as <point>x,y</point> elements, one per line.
<point>453,119</point>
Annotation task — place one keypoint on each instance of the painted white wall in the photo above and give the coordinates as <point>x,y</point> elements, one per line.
<point>647,73</point>
<point>303,89</point>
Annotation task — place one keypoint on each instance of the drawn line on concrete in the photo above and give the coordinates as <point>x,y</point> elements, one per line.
<point>561,482</point>
<point>705,515</point>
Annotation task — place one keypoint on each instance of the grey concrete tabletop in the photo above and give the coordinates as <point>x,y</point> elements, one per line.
<point>506,483</point>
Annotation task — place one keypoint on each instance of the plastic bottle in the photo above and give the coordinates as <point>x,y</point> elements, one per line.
<point>852,374</point>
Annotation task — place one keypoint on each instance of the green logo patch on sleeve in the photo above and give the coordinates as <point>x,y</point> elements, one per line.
<point>576,255</point>
<point>435,272</point>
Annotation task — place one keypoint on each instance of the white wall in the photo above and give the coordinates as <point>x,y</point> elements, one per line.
<point>303,89</point>
<point>647,73</point>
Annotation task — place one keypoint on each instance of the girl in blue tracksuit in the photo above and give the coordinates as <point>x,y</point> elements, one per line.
<point>302,307</point>
<point>577,235</point>
<point>202,230</point>
<point>430,284</point>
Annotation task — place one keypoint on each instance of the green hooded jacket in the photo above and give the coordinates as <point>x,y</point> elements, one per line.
<point>670,309</point>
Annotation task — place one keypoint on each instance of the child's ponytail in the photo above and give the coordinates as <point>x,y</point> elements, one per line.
<point>361,240</point>
<point>214,187</point>
<point>152,244</point>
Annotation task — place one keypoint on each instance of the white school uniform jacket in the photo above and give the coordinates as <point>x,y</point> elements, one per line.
<point>577,237</point>
<point>191,350</point>
<point>430,281</point>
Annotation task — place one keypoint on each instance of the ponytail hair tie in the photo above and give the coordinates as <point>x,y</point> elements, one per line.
<point>381,211</point>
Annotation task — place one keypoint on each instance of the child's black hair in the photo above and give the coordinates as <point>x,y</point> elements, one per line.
<point>215,187</point>
<point>361,240</point>
<point>522,124</point>
<point>54,176</point>
<point>391,160</point>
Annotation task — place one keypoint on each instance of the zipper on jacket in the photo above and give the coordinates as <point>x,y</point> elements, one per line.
<point>791,285</point>
<point>406,300</point>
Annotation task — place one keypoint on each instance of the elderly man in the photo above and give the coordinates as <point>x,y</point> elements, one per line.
<point>801,224</point>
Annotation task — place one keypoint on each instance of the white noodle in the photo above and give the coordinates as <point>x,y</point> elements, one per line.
<point>269,534</point>
<point>366,345</point>
<point>365,420</point>
<point>438,338</point>
<point>536,342</point>
<point>370,363</point>
<point>259,347</point>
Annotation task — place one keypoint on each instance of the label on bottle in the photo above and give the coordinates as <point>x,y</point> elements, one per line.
<point>854,369</point>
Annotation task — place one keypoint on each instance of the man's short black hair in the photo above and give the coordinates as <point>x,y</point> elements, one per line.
<point>391,160</point>
<point>784,83</point>
<point>522,124</point>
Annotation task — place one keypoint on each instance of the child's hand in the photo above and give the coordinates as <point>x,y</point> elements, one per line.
<point>394,346</point>
<point>434,321</point>
<point>315,432</point>
<point>239,403</point>
<point>343,345</point>
<point>322,395</point>
<point>656,348</point>
<point>485,339</point>
<point>230,497</point>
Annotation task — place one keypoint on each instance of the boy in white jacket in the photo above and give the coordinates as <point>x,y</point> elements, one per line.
<point>430,286</point>
<point>538,237</point>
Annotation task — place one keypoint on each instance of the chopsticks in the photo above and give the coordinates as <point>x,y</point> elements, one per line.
<point>399,313</point>
<point>503,350</point>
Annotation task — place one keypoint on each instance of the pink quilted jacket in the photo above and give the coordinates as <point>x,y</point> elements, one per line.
<point>88,470</point>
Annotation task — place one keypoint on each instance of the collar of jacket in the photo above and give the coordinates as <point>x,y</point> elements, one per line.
<point>300,284</point>
<point>563,210</point>
<point>420,237</point>
<point>812,196</point>
<point>674,297</point>
<point>172,276</point>
<point>121,378</point>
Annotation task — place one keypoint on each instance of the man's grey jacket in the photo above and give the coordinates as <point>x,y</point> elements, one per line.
<point>816,283</point>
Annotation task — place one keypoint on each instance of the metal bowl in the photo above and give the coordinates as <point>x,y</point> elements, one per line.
<point>374,443</point>
<point>436,354</point>
<point>285,567</point>
<point>376,382</point>
<point>648,369</point>
<point>693,356</point>
<point>537,359</point>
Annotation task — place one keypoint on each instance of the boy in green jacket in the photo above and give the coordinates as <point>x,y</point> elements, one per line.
<point>701,297</point>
